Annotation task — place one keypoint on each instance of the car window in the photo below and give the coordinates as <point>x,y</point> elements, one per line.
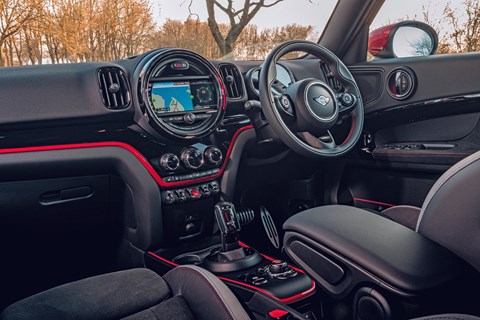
<point>457,22</point>
<point>66,31</point>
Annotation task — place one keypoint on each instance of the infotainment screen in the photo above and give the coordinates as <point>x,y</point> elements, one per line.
<point>182,96</point>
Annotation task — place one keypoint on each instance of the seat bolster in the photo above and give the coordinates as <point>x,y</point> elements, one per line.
<point>109,296</point>
<point>405,215</point>
<point>450,214</point>
<point>206,295</point>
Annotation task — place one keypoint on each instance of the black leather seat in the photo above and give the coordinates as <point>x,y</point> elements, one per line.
<point>186,292</point>
<point>450,216</point>
<point>450,209</point>
<point>405,215</point>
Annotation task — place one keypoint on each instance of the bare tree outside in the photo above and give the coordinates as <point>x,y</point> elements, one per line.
<point>238,18</point>
<point>422,46</point>
<point>465,24</point>
<point>458,26</point>
<point>66,31</point>
<point>15,15</point>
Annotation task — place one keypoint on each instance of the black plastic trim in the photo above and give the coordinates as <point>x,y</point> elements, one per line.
<point>101,160</point>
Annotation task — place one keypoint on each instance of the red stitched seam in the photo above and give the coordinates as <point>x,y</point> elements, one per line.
<point>214,292</point>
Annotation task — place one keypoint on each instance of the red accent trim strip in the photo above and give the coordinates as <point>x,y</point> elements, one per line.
<point>350,133</point>
<point>287,300</point>
<point>173,264</point>
<point>137,154</point>
<point>375,202</point>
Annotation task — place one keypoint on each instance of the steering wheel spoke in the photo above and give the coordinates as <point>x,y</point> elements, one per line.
<point>346,103</point>
<point>324,142</point>
<point>285,107</point>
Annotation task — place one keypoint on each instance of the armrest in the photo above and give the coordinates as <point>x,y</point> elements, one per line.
<point>358,241</point>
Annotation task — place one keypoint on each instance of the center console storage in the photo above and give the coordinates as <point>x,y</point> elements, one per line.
<point>385,270</point>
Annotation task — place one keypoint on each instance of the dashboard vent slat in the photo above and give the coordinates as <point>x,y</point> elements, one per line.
<point>232,79</point>
<point>114,88</point>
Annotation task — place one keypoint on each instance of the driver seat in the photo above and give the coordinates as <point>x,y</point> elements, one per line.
<point>450,213</point>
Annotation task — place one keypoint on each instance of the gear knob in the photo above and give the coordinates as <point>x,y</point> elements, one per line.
<point>229,225</point>
<point>227,218</point>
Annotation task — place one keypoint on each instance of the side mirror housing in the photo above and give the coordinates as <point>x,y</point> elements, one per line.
<point>403,39</point>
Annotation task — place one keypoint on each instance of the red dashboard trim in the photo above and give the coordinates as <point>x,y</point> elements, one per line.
<point>374,202</point>
<point>287,300</point>
<point>137,154</point>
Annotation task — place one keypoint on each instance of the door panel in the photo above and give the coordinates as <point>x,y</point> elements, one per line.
<point>409,143</point>
<point>438,76</point>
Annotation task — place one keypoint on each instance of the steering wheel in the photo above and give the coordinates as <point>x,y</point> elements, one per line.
<point>308,108</point>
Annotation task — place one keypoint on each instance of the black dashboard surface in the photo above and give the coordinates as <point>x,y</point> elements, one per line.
<point>54,95</point>
<point>53,98</point>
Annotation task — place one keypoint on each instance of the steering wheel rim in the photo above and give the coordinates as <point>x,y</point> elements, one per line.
<point>274,108</point>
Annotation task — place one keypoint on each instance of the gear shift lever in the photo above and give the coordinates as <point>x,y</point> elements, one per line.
<point>229,225</point>
<point>231,257</point>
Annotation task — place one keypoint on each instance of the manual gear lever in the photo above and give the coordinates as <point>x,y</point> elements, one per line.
<point>231,257</point>
<point>229,225</point>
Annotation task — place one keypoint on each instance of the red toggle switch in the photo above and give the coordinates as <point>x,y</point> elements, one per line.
<point>195,193</point>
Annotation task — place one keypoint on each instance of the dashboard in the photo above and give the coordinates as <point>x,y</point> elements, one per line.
<point>179,112</point>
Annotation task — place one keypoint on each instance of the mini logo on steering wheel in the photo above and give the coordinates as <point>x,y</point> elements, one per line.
<point>322,100</point>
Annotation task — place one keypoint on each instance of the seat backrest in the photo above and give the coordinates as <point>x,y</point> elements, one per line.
<point>450,214</point>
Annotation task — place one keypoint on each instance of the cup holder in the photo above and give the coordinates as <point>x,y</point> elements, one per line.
<point>187,259</point>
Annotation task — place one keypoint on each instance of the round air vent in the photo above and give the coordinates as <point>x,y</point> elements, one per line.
<point>401,83</point>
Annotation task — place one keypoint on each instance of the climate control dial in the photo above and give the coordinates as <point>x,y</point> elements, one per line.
<point>169,162</point>
<point>192,158</point>
<point>213,154</point>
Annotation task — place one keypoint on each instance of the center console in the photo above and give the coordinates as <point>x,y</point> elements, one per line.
<point>182,101</point>
<point>247,271</point>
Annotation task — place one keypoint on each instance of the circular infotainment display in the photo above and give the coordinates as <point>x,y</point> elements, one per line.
<point>183,94</point>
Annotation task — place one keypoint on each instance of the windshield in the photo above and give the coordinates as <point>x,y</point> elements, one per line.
<point>68,31</point>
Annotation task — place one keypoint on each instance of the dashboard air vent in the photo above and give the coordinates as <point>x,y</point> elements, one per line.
<point>401,83</point>
<point>114,87</point>
<point>232,79</point>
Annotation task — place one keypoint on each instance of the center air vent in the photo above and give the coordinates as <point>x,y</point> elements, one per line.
<point>401,83</point>
<point>114,87</point>
<point>232,79</point>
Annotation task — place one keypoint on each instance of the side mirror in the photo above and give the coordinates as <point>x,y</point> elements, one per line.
<point>403,39</point>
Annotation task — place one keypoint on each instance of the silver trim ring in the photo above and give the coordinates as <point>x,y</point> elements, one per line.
<point>324,85</point>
